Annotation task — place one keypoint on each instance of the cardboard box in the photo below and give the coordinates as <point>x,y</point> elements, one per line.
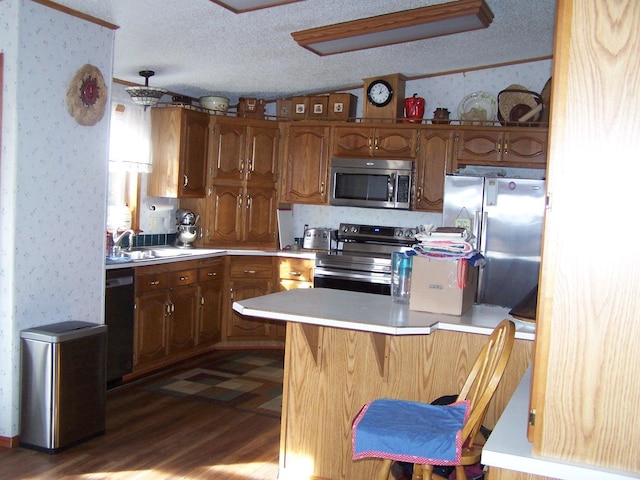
<point>435,287</point>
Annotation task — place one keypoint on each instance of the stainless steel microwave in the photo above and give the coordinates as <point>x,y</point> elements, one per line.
<point>370,182</point>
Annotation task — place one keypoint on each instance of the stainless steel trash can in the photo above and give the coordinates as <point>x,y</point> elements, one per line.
<point>63,388</point>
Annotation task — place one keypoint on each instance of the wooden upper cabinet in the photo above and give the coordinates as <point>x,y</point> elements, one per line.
<point>434,161</point>
<point>244,149</point>
<point>264,144</point>
<point>228,151</point>
<point>387,142</point>
<point>518,147</point>
<point>305,168</point>
<point>179,142</point>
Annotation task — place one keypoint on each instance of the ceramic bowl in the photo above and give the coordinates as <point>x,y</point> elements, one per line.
<point>218,104</point>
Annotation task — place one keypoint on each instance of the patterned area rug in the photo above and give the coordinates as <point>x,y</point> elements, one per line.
<point>245,380</point>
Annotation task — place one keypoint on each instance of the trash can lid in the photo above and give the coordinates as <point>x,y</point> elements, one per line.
<point>56,332</point>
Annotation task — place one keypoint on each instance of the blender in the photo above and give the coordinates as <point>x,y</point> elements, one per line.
<point>186,228</point>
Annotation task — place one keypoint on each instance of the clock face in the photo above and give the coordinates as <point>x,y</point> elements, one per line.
<point>379,93</point>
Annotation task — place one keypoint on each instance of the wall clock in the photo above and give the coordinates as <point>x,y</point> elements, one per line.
<point>379,93</point>
<point>384,98</point>
<point>87,95</point>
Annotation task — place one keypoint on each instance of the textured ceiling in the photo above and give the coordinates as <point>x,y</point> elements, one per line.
<point>199,48</point>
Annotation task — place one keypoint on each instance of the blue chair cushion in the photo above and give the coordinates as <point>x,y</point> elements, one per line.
<point>410,432</point>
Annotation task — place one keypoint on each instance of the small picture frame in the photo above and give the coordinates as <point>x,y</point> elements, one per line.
<point>317,108</point>
<point>338,107</point>
<point>299,107</point>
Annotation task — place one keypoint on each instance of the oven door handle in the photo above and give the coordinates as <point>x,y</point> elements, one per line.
<point>366,276</point>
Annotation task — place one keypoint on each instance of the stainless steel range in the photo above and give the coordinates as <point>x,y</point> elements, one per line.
<point>362,262</point>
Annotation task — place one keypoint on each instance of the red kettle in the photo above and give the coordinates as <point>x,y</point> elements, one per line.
<point>414,108</point>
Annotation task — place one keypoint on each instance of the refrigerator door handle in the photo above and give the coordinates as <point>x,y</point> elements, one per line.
<point>477,228</point>
<point>482,248</point>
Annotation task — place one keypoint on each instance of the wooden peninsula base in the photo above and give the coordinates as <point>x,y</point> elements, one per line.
<point>332,370</point>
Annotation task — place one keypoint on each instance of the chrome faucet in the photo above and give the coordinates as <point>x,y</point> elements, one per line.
<point>115,249</point>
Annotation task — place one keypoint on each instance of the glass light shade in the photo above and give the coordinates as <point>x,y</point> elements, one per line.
<point>146,96</point>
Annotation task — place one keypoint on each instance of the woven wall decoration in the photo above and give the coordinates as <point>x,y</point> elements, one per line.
<point>87,96</point>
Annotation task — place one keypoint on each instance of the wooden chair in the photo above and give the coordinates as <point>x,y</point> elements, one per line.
<point>478,390</point>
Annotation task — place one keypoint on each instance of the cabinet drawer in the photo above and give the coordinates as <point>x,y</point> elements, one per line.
<point>256,267</point>
<point>295,269</point>
<point>183,277</point>
<point>152,282</point>
<point>211,272</point>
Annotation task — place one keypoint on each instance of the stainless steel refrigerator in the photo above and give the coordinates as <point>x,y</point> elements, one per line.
<point>505,215</point>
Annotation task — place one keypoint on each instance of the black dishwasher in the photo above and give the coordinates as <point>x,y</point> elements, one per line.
<point>119,309</point>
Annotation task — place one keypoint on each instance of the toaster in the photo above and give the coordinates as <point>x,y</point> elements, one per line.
<point>320,239</point>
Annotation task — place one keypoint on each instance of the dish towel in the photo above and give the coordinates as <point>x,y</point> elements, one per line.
<point>410,432</point>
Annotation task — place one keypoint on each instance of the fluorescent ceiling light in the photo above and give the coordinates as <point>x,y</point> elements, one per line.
<point>398,27</point>
<point>240,6</point>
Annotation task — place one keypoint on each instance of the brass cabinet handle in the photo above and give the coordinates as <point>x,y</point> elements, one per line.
<point>248,201</point>
<point>154,282</point>
<point>321,188</point>
<point>184,278</point>
<point>249,271</point>
<point>295,274</point>
<point>186,180</point>
<point>376,146</point>
<point>212,274</point>
<point>506,147</point>
<point>239,201</point>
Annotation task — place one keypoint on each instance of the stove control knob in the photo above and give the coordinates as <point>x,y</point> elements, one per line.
<point>409,234</point>
<point>354,229</point>
<point>398,232</point>
<point>345,229</point>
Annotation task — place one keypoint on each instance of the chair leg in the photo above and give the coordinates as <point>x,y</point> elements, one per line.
<point>385,469</point>
<point>460,473</point>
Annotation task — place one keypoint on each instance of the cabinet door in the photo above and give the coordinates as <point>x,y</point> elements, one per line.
<point>525,148</point>
<point>352,141</point>
<point>152,309</point>
<point>260,215</point>
<point>240,327</point>
<point>209,323</point>
<point>263,154</point>
<point>181,330</point>
<point>194,152</point>
<point>434,161</point>
<point>228,151</point>
<point>394,143</point>
<point>479,147</point>
<point>179,144</point>
<point>375,142</point>
<point>305,168</point>
<point>224,214</point>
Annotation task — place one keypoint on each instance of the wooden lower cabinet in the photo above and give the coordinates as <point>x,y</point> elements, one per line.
<point>292,273</point>
<point>248,277</point>
<point>177,315</point>
<point>210,308</point>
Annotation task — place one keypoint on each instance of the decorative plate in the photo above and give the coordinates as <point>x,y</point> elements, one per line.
<point>478,108</point>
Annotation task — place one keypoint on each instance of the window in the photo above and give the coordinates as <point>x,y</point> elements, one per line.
<point>129,156</point>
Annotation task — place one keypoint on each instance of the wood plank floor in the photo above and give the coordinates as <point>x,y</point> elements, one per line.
<point>154,436</point>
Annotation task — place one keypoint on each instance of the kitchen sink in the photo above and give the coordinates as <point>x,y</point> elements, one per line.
<point>149,254</point>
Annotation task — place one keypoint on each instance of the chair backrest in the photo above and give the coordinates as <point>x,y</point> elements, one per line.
<point>485,376</point>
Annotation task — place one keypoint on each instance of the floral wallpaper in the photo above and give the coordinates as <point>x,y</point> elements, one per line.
<point>52,183</point>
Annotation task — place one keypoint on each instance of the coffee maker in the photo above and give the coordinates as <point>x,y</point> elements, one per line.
<point>186,228</point>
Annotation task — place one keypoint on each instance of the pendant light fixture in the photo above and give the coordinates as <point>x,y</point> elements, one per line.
<point>146,96</point>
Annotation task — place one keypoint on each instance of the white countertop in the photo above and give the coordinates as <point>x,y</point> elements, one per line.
<point>199,253</point>
<point>508,447</point>
<point>372,313</point>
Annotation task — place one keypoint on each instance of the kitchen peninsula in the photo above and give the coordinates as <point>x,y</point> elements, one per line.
<point>346,348</point>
